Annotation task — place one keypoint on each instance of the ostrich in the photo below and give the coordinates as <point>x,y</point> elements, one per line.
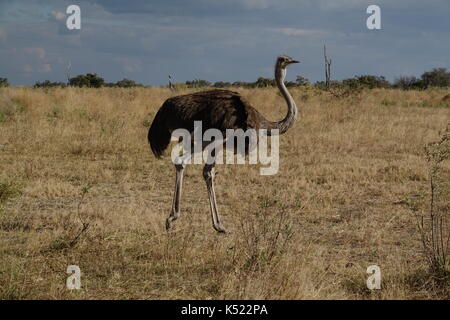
<point>216,109</point>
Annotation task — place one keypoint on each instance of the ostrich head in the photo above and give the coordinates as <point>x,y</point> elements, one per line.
<point>280,67</point>
<point>284,61</point>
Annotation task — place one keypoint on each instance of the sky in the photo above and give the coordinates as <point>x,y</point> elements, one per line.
<point>219,40</point>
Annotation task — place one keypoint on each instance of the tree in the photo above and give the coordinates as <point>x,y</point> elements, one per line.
<point>301,81</point>
<point>438,77</point>
<point>4,82</point>
<point>79,81</point>
<point>90,80</point>
<point>408,83</point>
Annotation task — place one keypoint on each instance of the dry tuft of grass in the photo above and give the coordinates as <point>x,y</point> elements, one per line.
<point>79,186</point>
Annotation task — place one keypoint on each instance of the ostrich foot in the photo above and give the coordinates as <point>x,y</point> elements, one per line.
<point>221,229</point>
<point>169,221</point>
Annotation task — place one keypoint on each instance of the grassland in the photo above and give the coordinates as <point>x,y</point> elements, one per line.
<point>79,185</point>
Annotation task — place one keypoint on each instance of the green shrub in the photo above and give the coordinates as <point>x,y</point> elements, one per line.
<point>221,84</point>
<point>367,81</point>
<point>90,80</point>
<point>4,82</point>
<point>127,83</point>
<point>49,84</point>
<point>198,83</point>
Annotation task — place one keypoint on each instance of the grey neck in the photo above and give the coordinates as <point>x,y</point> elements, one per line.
<point>288,121</point>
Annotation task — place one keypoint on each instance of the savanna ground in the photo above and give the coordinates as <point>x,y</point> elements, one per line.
<point>79,186</point>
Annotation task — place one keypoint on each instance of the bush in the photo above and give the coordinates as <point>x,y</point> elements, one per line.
<point>124,83</point>
<point>221,84</point>
<point>49,84</point>
<point>264,83</point>
<point>438,77</point>
<point>301,81</point>
<point>434,227</point>
<point>198,83</point>
<point>366,81</point>
<point>90,80</point>
<point>127,83</point>
<point>408,83</point>
<point>320,85</point>
<point>4,82</point>
<point>241,84</point>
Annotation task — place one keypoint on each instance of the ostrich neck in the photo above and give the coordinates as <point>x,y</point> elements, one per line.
<point>288,121</point>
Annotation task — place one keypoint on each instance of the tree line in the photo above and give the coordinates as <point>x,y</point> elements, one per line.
<point>437,77</point>
<point>90,80</point>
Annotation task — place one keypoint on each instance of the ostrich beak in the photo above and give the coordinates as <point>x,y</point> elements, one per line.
<point>295,61</point>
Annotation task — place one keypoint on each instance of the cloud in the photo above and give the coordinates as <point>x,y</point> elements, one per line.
<point>28,68</point>
<point>255,4</point>
<point>3,35</point>
<point>300,32</point>
<point>130,65</point>
<point>45,68</point>
<point>57,15</point>
<point>38,53</point>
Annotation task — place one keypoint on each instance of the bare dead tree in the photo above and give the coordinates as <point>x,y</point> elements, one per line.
<point>170,83</point>
<point>69,66</point>
<point>327,68</point>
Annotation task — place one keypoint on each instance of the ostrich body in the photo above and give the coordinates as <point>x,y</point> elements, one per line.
<point>216,109</point>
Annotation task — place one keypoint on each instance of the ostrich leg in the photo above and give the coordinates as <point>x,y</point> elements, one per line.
<point>175,212</point>
<point>208,175</point>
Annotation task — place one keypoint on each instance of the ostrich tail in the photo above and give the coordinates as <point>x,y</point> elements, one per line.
<point>158,135</point>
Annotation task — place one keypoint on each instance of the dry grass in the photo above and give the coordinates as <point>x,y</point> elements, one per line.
<point>79,185</point>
